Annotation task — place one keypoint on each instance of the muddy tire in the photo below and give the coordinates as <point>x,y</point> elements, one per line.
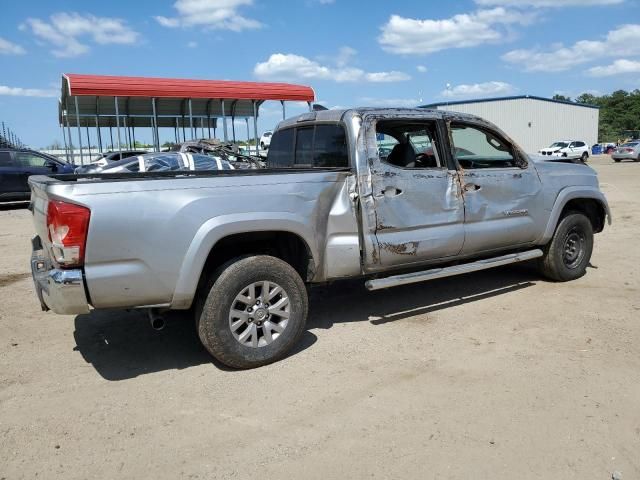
<point>253,312</point>
<point>568,253</point>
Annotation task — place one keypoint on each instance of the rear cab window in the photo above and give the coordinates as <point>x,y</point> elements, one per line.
<point>316,146</point>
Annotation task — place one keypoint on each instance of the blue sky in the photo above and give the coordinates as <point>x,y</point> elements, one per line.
<point>352,53</point>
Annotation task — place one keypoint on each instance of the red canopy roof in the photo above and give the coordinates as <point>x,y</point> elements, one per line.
<point>112,86</point>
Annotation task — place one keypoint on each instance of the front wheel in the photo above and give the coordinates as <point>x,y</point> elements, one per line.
<point>567,255</point>
<point>254,313</point>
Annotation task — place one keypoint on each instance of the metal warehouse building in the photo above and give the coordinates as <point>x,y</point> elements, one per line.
<point>533,122</point>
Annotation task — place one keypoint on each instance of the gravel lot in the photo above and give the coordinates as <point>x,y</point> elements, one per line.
<point>496,374</point>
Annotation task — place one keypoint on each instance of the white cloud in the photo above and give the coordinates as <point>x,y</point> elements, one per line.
<point>623,41</point>
<point>547,3</point>
<point>288,66</point>
<point>345,55</point>
<point>10,48</point>
<point>389,102</point>
<point>478,90</point>
<point>192,44</point>
<point>27,92</point>
<point>618,67</point>
<point>213,14</point>
<point>387,77</point>
<point>420,37</point>
<point>63,31</point>
<point>421,68</point>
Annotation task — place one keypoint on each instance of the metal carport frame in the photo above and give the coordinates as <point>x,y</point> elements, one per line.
<point>97,101</point>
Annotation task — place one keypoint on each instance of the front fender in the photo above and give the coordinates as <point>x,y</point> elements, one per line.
<point>567,194</point>
<point>222,226</point>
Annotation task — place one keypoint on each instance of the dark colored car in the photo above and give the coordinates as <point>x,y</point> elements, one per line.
<point>106,159</point>
<point>17,165</point>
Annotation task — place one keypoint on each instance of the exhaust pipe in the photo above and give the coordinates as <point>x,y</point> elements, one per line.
<point>156,319</point>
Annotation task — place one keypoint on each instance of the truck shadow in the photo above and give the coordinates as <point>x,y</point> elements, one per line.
<point>122,345</point>
<point>354,303</point>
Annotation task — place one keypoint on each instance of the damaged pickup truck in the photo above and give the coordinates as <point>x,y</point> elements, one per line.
<point>392,196</point>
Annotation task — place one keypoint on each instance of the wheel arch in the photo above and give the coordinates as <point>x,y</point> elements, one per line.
<point>592,203</point>
<point>218,241</point>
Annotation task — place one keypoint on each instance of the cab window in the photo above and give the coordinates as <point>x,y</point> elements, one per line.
<point>319,146</point>
<point>478,148</point>
<point>26,159</point>
<point>408,144</point>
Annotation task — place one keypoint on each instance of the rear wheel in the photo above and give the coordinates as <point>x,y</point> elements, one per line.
<point>585,157</point>
<point>567,255</point>
<point>638,159</point>
<point>617,160</point>
<point>254,312</point>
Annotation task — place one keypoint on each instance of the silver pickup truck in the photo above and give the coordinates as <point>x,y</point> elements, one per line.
<point>392,196</point>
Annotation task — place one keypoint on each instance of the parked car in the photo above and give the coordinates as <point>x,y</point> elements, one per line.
<point>106,159</point>
<point>17,165</point>
<point>627,151</point>
<point>265,140</point>
<point>223,151</point>
<point>164,162</point>
<point>572,149</point>
<point>240,248</point>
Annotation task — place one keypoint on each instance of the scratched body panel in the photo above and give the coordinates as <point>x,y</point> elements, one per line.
<point>506,210</point>
<point>418,212</point>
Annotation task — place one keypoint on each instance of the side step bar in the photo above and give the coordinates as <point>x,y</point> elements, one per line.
<point>415,277</point>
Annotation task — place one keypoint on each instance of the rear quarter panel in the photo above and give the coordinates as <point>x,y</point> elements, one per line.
<point>148,239</point>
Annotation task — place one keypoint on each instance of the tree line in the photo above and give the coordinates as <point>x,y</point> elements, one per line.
<point>619,113</point>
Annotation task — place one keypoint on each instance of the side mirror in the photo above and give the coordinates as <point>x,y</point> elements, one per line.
<point>52,166</point>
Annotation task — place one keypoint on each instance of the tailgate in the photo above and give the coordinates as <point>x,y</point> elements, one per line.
<point>38,207</point>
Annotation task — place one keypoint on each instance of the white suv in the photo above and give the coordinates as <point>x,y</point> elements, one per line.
<point>567,149</point>
<point>265,140</point>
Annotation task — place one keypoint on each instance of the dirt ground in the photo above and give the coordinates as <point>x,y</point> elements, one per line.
<point>497,375</point>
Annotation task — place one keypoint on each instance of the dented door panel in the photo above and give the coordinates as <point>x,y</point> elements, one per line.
<point>502,208</point>
<point>418,213</point>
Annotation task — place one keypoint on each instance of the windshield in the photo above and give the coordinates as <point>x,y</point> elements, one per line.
<point>559,145</point>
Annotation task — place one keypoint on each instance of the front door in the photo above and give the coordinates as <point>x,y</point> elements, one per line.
<point>419,212</point>
<point>502,191</point>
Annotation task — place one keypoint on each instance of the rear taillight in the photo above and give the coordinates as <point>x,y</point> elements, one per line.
<point>628,150</point>
<point>67,225</point>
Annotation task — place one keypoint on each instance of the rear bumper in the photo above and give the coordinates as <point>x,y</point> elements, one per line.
<point>623,156</point>
<point>61,291</point>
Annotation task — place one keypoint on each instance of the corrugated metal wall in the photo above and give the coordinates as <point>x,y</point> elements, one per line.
<point>535,124</point>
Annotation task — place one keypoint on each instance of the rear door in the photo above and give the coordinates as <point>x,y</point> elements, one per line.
<point>33,163</point>
<point>11,176</point>
<point>502,191</point>
<point>418,207</point>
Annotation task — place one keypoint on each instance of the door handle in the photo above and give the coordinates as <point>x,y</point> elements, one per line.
<point>390,192</point>
<point>471,187</point>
